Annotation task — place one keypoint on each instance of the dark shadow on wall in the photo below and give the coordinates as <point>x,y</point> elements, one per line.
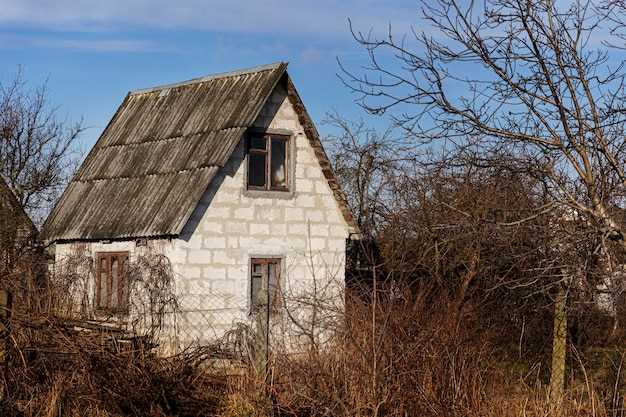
<point>230,170</point>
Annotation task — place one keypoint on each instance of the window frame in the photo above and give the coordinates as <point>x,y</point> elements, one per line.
<point>278,261</point>
<point>267,152</point>
<point>122,293</point>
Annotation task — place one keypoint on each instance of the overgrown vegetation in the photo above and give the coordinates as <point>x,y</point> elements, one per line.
<point>415,352</point>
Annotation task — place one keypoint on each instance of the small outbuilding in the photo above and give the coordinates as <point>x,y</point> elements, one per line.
<point>226,177</point>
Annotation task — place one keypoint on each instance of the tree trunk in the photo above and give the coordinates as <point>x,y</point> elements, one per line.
<point>559,348</point>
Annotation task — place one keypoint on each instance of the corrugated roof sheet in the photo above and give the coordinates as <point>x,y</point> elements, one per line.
<point>158,155</point>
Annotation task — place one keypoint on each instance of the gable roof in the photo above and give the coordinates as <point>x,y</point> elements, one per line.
<point>160,141</point>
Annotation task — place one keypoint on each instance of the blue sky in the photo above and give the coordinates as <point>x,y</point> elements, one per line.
<point>93,51</point>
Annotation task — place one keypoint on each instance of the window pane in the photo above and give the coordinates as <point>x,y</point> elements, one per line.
<point>273,283</point>
<point>279,162</point>
<point>257,142</point>
<point>273,274</point>
<point>102,301</point>
<point>114,281</point>
<point>256,170</point>
<point>122,281</point>
<point>257,292</point>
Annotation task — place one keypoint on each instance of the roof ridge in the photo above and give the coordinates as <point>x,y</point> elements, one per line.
<point>209,77</point>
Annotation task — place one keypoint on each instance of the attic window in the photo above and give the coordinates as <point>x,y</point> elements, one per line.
<point>268,162</point>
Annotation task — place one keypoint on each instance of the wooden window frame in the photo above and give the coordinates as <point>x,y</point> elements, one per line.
<point>267,152</point>
<point>122,296</point>
<point>277,302</point>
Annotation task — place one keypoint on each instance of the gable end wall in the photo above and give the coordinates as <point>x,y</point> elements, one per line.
<point>229,227</point>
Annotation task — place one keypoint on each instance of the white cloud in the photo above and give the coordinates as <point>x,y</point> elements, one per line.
<point>310,55</point>
<point>322,18</point>
<point>107,45</point>
<point>95,45</point>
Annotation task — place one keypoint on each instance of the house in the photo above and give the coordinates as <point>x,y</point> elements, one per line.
<point>226,177</point>
<point>17,231</point>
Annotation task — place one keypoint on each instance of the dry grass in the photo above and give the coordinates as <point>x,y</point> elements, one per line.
<point>65,372</point>
<point>421,357</point>
<point>58,361</point>
<point>417,359</point>
<point>414,354</point>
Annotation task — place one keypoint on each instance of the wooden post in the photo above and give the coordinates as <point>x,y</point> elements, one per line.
<point>5,315</point>
<point>559,348</point>
<point>261,342</point>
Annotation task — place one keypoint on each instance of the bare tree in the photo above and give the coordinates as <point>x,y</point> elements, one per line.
<point>530,86</point>
<point>515,77</point>
<point>368,164</point>
<point>38,150</point>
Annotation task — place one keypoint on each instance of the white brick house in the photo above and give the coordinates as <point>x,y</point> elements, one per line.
<point>225,175</point>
